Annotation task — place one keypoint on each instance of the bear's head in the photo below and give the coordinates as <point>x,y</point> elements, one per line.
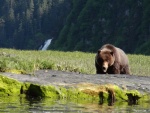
<point>105,59</point>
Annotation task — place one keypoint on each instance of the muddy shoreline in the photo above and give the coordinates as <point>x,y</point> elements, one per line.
<point>52,77</point>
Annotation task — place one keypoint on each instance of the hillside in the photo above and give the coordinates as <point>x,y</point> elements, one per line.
<point>26,24</point>
<point>92,23</point>
<point>82,25</point>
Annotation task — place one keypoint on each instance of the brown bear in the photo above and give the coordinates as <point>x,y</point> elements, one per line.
<point>111,60</point>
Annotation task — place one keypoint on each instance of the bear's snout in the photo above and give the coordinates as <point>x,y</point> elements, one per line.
<point>105,66</point>
<point>104,69</point>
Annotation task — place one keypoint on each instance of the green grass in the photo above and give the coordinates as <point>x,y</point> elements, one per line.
<point>29,61</point>
<point>139,64</point>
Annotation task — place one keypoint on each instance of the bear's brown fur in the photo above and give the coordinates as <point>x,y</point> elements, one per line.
<point>111,60</point>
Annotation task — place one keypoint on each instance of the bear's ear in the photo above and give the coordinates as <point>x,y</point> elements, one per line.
<point>111,53</point>
<point>98,51</point>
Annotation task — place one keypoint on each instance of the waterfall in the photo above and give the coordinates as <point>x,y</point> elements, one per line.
<point>46,44</point>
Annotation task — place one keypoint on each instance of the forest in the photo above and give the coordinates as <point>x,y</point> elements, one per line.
<point>76,25</point>
<point>26,24</point>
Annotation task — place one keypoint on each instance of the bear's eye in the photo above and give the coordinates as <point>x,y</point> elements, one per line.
<point>107,60</point>
<point>100,60</point>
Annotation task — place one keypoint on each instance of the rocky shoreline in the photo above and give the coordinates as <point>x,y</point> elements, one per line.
<point>52,77</point>
<point>86,83</point>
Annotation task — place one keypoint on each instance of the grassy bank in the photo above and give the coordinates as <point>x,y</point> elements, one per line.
<point>29,61</point>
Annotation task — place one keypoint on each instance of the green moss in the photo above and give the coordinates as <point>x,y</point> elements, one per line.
<point>145,97</point>
<point>74,93</point>
<point>120,94</point>
<point>51,91</point>
<point>81,92</point>
<point>56,92</point>
<point>9,86</point>
<point>16,71</point>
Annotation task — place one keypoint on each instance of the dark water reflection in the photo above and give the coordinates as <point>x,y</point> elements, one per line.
<point>47,105</point>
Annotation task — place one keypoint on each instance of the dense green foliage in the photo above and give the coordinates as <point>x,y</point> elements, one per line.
<point>26,24</point>
<point>83,25</point>
<point>124,23</point>
<point>29,61</point>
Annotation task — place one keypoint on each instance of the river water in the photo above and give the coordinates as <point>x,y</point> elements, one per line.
<point>48,105</point>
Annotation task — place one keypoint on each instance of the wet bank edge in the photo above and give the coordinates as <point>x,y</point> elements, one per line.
<point>69,85</point>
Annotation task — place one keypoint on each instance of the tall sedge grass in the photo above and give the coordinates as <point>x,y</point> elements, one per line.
<point>139,64</point>
<point>29,61</point>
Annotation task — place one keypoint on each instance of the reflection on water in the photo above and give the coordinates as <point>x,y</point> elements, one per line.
<point>47,105</point>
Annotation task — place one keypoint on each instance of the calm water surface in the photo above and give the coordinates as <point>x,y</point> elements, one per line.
<point>47,105</point>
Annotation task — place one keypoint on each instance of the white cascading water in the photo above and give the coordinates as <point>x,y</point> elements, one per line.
<point>46,44</point>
